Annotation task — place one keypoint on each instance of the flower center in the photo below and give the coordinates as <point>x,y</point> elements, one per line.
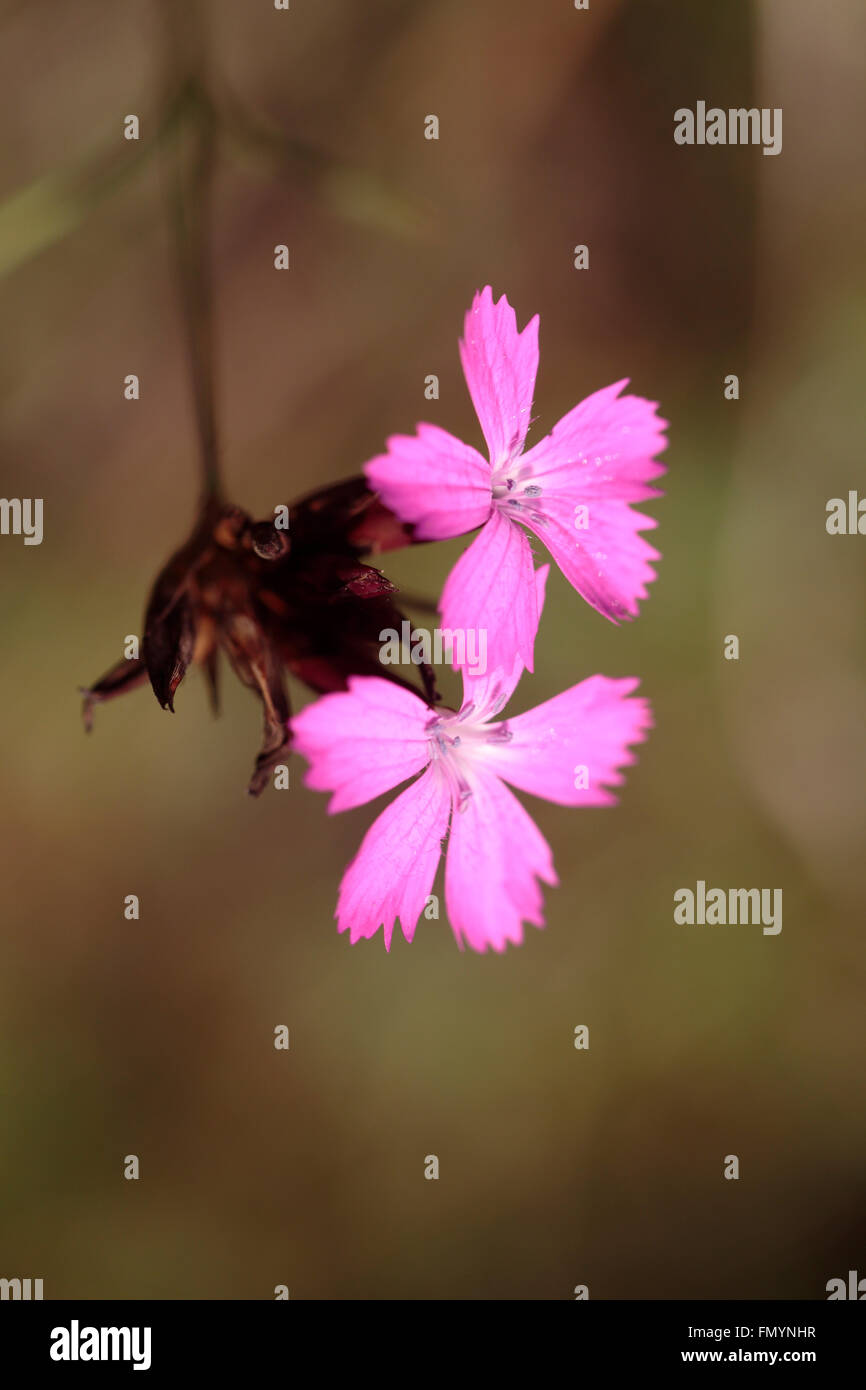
<point>456,740</point>
<point>515,497</point>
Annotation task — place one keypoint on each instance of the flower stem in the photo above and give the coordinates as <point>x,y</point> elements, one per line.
<point>193,161</point>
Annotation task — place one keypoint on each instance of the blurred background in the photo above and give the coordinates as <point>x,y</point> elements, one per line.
<point>557,1167</point>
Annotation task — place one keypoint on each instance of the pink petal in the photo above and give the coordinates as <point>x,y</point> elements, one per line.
<point>589,726</point>
<point>390,878</point>
<point>363,741</point>
<point>491,591</point>
<point>492,689</point>
<point>599,457</point>
<point>496,855</point>
<point>500,366</point>
<point>603,448</point>
<point>608,563</point>
<point>434,481</point>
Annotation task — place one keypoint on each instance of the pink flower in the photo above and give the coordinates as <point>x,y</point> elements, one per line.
<point>368,740</point>
<point>573,490</point>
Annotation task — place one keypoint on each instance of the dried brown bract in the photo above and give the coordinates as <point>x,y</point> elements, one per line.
<point>272,600</point>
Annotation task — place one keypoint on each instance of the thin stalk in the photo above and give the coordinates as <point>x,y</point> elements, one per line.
<point>192,160</point>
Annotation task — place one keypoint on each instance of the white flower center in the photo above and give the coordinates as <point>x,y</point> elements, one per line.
<point>457,741</point>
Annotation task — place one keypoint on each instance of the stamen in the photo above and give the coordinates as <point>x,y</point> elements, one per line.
<point>501,735</point>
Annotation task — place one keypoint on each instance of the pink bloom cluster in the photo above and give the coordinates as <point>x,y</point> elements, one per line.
<point>574,492</point>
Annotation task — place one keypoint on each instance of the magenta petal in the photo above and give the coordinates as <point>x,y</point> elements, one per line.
<point>491,593</point>
<point>362,742</point>
<point>570,749</point>
<point>608,563</point>
<point>434,481</point>
<point>603,448</point>
<point>500,366</point>
<point>390,878</point>
<point>593,464</point>
<point>490,691</point>
<point>496,855</point>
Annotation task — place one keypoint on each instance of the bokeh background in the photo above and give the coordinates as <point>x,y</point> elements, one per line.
<point>557,1167</point>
